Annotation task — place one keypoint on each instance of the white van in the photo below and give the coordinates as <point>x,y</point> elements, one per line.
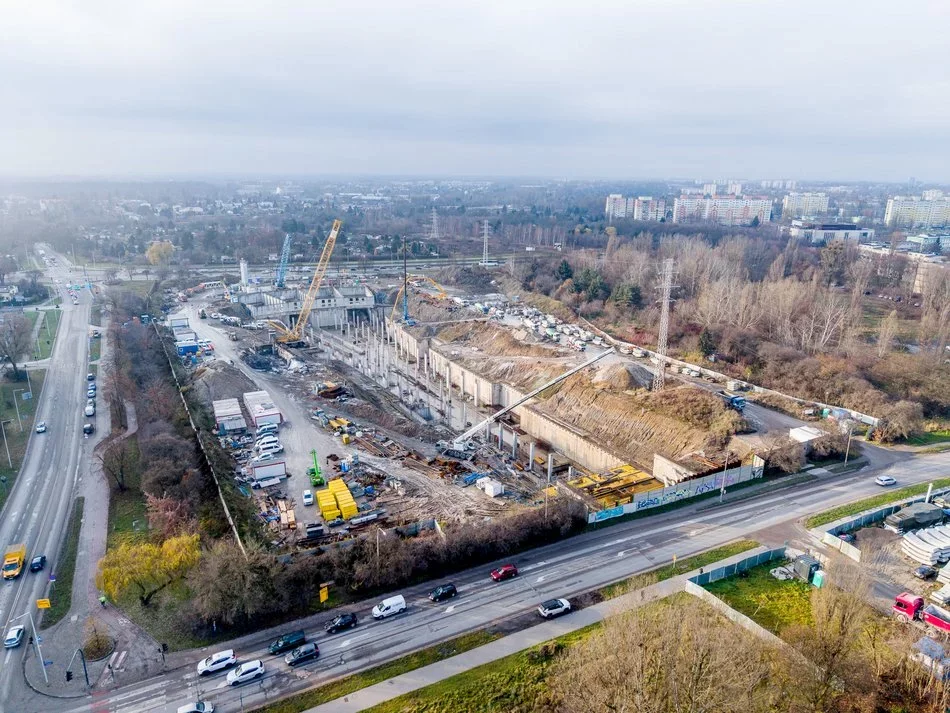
<point>90,409</point>
<point>266,428</point>
<point>389,607</point>
<point>270,448</point>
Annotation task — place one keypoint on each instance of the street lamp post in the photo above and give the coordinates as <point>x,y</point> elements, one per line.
<point>36,641</point>
<point>5,445</point>
<point>17,407</point>
<point>848,449</point>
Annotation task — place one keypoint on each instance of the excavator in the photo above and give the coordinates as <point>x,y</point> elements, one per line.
<point>293,334</point>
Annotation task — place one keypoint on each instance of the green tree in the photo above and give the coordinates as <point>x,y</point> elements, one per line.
<point>626,295</point>
<point>564,271</point>
<point>707,344</point>
<point>159,252</point>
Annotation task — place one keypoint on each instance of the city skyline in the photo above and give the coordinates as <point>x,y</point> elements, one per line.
<point>475,89</point>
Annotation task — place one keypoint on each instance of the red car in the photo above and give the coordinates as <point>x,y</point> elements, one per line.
<point>506,571</point>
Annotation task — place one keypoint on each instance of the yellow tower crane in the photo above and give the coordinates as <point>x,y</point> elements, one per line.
<point>287,334</point>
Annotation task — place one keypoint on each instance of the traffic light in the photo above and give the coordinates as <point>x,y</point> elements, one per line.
<point>69,676</point>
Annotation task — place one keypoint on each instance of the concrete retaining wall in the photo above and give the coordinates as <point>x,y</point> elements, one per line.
<point>734,616</point>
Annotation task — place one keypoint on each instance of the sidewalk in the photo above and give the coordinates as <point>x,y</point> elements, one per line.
<point>511,644</point>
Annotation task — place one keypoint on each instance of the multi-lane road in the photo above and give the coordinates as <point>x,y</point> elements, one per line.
<point>38,507</point>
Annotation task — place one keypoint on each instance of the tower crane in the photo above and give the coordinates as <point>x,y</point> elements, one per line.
<point>284,260</point>
<point>287,334</point>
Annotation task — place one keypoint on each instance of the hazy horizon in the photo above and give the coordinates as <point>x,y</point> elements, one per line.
<point>622,91</point>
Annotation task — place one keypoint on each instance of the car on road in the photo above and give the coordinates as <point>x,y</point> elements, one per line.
<point>925,572</point>
<point>37,563</point>
<point>14,637</point>
<point>443,592</point>
<point>217,662</point>
<point>41,427</point>
<point>90,377</point>
<point>197,707</point>
<point>341,623</point>
<point>308,497</point>
<point>554,607</point>
<point>246,672</point>
<point>302,654</point>
<point>90,393</point>
<point>88,429</point>
<point>287,642</point>
<point>885,480</point>
<point>506,571</point>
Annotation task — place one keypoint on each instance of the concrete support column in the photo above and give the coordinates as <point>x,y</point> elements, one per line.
<point>531,457</point>
<point>501,436</point>
<point>514,445</point>
<point>464,415</point>
<point>462,385</point>
<point>550,465</point>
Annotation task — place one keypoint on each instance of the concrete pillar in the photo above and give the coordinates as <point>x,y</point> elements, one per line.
<point>464,415</point>
<point>550,465</point>
<point>487,433</point>
<point>531,457</point>
<point>514,445</point>
<point>462,385</point>
<point>501,435</point>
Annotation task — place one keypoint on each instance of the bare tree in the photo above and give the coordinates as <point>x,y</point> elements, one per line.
<point>118,460</point>
<point>16,339</point>
<point>886,332</point>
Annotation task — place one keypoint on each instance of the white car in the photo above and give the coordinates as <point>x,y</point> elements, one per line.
<point>246,672</point>
<point>307,497</point>
<point>885,480</point>
<point>554,607</point>
<point>264,458</point>
<point>41,427</point>
<point>216,662</point>
<point>14,637</point>
<point>197,707</point>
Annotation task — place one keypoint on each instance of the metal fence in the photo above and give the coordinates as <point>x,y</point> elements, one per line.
<point>733,568</point>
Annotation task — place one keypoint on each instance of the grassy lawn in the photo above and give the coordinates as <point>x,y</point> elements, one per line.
<point>139,287</point>
<point>766,600</point>
<point>127,514</point>
<point>888,496</point>
<point>345,686</point>
<point>682,566</point>
<point>95,349</point>
<point>47,334</point>
<point>929,439</point>
<point>61,594</point>
<point>16,439</point>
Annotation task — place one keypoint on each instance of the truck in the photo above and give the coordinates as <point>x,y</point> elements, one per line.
<point>202,314</point>
<point>733,401</point>
<point>911,607</point>
<point>13,561</point>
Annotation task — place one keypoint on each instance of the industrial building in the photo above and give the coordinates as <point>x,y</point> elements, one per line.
<point>824,233</point>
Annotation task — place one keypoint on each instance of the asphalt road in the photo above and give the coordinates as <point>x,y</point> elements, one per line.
<point>562,569</point>
<point>38,507</point>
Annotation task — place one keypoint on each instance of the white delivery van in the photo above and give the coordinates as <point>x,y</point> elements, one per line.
<point>389,607</point>
<point>266,428</point>
<point>270,448</point>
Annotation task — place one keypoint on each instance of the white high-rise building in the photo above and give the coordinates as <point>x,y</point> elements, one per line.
<point>801,205</point>
<point>734,188</point>
<point>932,194</point>
<point>724,211</point>
<point>616,207</point>
<point>640,208</point>
<point>916,212</point>
<point>709,189</point>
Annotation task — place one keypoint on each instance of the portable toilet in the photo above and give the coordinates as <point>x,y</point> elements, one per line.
<point>818,578</point>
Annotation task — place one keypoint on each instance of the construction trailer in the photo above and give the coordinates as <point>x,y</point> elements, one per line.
<point>261,408</point>
<point>228,416</point>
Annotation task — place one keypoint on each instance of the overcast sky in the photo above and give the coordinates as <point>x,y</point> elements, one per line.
<point>643,88</point>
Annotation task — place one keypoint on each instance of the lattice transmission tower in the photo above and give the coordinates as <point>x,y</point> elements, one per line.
<point>659,374</point>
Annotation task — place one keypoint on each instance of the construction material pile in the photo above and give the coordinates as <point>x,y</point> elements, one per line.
<point>930,546</point>
<point>336,501</point>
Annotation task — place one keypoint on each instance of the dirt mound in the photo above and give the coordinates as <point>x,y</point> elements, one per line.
<point>475,277</point>
<point>217,379</point>
<point>621,377</point>
<point>494,341</point>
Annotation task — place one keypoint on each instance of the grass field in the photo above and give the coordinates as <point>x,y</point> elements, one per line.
<point>766,600</point>
<point>348,685</point>
<point>930,439</point>
<point>16,439</point>
<point>95,349</point>
<point>46,337</point>
<point>127,514</point>
<point>61,593</point>
<point>888,496</point>
<point>681,566</point>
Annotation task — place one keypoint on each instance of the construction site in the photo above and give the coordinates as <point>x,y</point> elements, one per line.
<point>411,406</point>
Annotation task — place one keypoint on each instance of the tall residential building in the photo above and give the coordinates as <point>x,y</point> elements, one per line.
<point>726,210</point>
<point>931,194</point>
<point>800,205</point>
<point>709,189</point>
<point>734,188</point>
<point>916,212</point>
<point>640,208</point>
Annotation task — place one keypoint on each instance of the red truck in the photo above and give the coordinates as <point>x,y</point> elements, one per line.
<point>911,607</point>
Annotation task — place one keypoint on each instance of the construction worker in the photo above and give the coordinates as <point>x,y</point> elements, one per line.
<point>102,600</point>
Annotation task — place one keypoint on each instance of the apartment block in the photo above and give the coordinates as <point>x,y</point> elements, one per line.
<point>801,205</point>
<point>724,210</point>
<point>917,212</point>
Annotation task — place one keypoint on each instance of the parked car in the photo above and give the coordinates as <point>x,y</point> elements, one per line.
<point>14,637</point>
<point>443,592</point>
<point>925,572</point>
<point>197,707</point>
<point>246,672</point>
<point>264,458</point>
<point>554,607</point>
<point>341,623</point>
<point>41,427</point>
<point>37,563</point>
<point>90,377</point>
<point>308,497</point>
<point>90,393</point>
<point>302,654</point>
<point>217,662</point>
<point>885,480</point>
<point>506,571</point>
<point>88,429</point>
<point>847,537</point>
<point>288,641</point>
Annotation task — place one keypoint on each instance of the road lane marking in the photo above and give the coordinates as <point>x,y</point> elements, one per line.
<point>450,609</point>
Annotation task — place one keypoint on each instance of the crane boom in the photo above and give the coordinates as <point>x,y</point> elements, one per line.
<point>459,443</point>
<point>284,261</point>
<point>293,335</point>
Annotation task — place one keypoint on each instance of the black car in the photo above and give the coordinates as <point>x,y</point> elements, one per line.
<point>446,591</point>
<point>302,654</point>
<point>288,641</point>
<point>37,563</point>
<point>341,623</point>
<point>925,572</point>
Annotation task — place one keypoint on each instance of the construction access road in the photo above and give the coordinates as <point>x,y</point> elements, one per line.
<point>38,507</point>
<point>563,569</point>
